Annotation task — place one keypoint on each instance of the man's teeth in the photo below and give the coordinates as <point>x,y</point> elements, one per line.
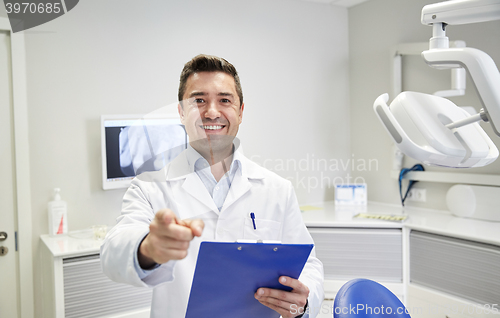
<point>212,127</point>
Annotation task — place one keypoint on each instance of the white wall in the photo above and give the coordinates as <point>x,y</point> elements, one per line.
<point>375,27</point>
<point>119,57</point>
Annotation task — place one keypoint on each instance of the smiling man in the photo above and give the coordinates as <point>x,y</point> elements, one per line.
<point>211,109</point>
<point>207,194</point>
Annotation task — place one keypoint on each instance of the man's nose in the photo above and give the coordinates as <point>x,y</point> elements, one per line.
<point>212,110</point>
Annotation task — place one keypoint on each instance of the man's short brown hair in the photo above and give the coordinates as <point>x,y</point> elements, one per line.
<point>208,63</point>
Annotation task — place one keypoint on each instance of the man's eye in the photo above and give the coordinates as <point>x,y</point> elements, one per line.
<point>225,101</point>
<point>199,101</point>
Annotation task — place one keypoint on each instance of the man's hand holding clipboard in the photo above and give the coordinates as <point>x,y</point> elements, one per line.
<point>288,304</point>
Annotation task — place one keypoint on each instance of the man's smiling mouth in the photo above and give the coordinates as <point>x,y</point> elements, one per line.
<point>212,127</point>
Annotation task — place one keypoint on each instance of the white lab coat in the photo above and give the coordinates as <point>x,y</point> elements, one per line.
<point>176,187</point>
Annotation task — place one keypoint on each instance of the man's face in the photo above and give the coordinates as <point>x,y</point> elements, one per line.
<point>211,111</point>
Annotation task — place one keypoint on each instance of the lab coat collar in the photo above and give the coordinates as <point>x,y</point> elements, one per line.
<point>197,162</point>
<point>179,168</point>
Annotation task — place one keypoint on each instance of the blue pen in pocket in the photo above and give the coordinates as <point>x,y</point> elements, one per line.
<point>252,215</point>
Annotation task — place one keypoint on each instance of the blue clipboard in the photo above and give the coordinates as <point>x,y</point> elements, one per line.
<point>227,275</point>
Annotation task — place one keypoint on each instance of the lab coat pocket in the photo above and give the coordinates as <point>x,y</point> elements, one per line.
<point>264,229</point>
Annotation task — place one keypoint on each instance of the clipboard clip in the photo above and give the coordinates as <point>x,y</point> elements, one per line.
<point>258,241</point>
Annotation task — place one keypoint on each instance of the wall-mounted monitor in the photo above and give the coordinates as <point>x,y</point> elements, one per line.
<point>132,144</point>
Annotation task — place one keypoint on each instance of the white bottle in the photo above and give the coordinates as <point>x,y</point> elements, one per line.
<point>58,215</point>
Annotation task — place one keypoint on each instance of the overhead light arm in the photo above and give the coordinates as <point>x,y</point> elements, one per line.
<point>432,129</point>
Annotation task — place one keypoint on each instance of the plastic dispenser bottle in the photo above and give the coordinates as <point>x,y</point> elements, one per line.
<point>58,215</point>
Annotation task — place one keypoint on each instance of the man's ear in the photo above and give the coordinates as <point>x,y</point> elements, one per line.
<point>181,112</point>
<point>241,112</point>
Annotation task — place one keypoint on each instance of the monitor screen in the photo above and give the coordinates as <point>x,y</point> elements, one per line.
<point>131,144</point>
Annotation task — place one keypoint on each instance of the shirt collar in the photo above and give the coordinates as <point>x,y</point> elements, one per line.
<point>197,162</point>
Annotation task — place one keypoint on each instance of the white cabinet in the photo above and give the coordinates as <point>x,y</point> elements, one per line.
<point>75,287</point>
<point>439,265</point>
<point>452,277</point>
<point>357,248</point>
<point>348,253</point>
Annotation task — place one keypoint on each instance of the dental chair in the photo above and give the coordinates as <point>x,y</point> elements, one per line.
<point>364,298</point>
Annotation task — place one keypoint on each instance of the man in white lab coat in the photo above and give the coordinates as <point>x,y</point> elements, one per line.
<point>207,194</point>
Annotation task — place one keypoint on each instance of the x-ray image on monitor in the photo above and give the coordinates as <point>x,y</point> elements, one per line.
<point>132,145</point>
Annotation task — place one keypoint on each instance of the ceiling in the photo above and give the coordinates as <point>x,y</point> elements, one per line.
<point>343,3</point>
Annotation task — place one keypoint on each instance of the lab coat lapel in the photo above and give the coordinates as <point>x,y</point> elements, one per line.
<point>239,187</point>
<point>242,182</point>
<point>192,185</point>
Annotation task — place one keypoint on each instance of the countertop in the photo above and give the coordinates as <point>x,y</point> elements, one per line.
<point>428,220</point>
<point>326,214</point>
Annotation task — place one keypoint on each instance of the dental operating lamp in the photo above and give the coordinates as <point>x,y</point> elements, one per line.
<point>433,129</point>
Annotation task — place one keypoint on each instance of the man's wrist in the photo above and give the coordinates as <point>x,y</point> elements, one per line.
<point>145,262</point>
